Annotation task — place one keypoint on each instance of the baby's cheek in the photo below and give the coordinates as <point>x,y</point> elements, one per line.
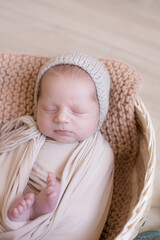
<point>85,133</point>
<point>43,126</point>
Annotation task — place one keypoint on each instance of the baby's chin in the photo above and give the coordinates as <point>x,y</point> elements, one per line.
<point>65,140</point>
<point>68,137</point>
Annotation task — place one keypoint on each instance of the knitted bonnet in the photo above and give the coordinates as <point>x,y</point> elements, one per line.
<point>93,67</point>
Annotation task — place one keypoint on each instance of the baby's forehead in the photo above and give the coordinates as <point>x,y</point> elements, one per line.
<point>71,76</point>
<point>71,70</point>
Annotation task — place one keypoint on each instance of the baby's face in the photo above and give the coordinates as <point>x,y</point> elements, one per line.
<point>68,109</point>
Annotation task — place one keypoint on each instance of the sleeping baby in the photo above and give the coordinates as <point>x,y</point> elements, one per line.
<point>59,167</point>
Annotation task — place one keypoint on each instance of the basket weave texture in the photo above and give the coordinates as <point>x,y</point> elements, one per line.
<point>18,73</point>
<point>145,170</point>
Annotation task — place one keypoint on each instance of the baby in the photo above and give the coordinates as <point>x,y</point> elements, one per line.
<point>67,112</point>
<point>71,103</point>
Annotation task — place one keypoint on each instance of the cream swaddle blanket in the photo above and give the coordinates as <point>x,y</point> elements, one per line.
<point>86,185</point>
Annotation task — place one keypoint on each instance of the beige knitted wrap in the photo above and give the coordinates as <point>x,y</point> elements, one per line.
<point>18,73</point>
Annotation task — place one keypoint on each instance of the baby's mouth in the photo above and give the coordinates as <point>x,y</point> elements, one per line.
<point>62,132</point>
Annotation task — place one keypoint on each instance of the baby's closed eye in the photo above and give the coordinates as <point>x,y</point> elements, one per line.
<point>50,110</point>
<point>79,111</point>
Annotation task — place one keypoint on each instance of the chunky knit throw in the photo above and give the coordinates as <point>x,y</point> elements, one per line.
<point>18,73</point>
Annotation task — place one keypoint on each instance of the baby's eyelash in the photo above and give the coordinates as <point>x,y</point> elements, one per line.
<point>49,110</point>
<point>79,112</point>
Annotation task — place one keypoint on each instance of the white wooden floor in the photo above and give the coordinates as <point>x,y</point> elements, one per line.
<point>127,30</point>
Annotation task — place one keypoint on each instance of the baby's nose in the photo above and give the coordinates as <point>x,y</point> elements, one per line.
<point>61,117</point>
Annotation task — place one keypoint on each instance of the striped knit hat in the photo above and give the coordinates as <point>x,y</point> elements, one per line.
<point>93,67</point>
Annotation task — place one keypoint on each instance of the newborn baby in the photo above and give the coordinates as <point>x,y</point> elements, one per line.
<point>71,103</point>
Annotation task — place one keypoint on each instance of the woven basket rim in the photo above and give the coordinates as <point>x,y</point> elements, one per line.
<point>140,211</point>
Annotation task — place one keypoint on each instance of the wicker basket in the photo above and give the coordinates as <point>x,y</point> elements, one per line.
<point>145,167</point>
<point>127,121</point>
